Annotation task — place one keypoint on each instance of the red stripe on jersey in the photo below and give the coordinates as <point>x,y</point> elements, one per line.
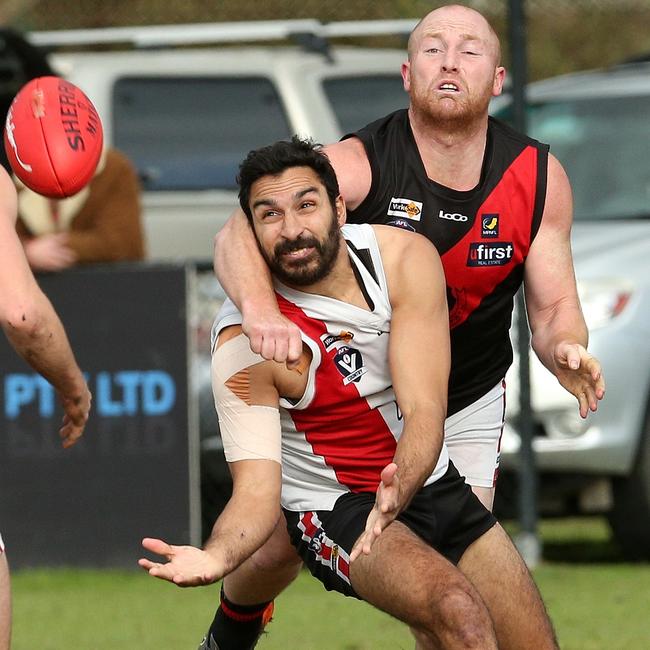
<point>344,566</point>
<point>472,283</point>
<point>339,424</point>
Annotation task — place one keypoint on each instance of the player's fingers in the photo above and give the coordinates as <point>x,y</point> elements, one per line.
<point>157,546</point>
<point>281,349</point>
<point>583,404</point>
<point>294,350</point>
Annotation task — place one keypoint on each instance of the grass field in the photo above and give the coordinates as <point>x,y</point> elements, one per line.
<point>597,602</point>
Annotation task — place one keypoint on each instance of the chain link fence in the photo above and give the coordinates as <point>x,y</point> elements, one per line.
<point>563,35</point>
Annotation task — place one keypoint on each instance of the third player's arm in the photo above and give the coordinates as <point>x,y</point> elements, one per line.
<point>419,352</point>
<point>559,333</point>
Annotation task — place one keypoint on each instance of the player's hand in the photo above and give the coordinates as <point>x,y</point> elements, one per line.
<point>75,416</point>
<point>50,252</point>
<point>273,336</point>
<point>385,510</point>
<point>186,566</point>
<point>580,373</point>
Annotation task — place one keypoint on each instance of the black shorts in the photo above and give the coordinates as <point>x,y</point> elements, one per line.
<point>447,515</point>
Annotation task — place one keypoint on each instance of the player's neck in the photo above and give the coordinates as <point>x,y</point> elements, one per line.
<point>453,158</point>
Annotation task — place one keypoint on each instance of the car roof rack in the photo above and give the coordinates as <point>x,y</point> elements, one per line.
<point>310,33</point>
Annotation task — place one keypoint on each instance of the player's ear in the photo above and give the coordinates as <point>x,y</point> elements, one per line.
<point>341,212</point>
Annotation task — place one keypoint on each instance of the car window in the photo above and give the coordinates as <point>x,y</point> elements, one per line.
<point>191,133</point>
<point>359,100</point>
<point>603,145</point>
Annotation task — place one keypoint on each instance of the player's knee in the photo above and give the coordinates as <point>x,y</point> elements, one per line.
<point>458,613</point>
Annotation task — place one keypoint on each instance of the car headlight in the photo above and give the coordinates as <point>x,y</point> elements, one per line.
<point>603,301</point>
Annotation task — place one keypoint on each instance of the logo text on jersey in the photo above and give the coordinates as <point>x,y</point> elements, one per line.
<point>489,226</point>
<point>452,216</point>
<point>406,208</point>
<point>490,253</point>
<point>330,340</point>
<point>402,223</point>
<point>349,363</point>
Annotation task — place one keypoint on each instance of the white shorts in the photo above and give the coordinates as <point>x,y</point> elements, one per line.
<point>2,545</point>
<point>473,437</point>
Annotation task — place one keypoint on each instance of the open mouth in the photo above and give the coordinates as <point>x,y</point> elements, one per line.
<point>447,86</point>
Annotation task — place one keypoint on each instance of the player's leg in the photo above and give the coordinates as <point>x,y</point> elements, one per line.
<point>473,438</point>
<point>498,572</point>
<point>248,592</point>
<point>403,575</point>
<point>406,578</point>
<point>5,600</point>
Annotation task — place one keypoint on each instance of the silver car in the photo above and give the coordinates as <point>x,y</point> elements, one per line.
<point>598,126</point>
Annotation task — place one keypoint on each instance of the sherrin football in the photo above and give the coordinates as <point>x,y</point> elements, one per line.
<point>53,137</point>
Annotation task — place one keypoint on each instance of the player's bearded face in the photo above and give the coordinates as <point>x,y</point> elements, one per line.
<point>453,111</point>
<point>305,270</point>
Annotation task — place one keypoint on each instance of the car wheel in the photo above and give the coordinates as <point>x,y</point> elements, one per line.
<point>630,514</point>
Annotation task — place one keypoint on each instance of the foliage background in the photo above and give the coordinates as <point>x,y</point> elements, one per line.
<point>564,35</point>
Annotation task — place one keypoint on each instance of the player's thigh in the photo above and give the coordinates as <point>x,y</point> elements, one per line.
<point>408,579</point>
<point>495,568</point>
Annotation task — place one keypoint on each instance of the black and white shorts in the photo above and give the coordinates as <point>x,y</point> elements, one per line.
<point>447,515</point>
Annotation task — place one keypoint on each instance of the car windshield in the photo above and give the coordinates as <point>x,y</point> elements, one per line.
<point>359,100</point>
<point>603,144</point>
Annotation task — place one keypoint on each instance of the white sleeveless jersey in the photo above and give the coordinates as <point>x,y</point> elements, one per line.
<point>343,431</point>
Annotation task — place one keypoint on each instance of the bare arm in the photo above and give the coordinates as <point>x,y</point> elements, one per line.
<point>419,360</point>
<point>559,332</point>
<point>244,276</point>
<point>254,508</point>
<point>33,327</point>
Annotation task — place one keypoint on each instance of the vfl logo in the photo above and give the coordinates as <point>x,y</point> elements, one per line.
<point>349,363</point>
<point>490,254</point>
<point>405,208</point>
<point>402,223</point>
<point>489,225</point>
<point>10,127</point>
<point>329,340</point>
<point>452,216</point>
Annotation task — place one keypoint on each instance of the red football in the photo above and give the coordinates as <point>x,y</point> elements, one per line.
<point>53,137</point>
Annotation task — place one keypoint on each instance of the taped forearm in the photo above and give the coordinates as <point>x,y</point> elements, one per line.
<point>248,431</point>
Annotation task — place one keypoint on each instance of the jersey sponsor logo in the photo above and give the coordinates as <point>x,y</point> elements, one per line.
<point>407,208</point>
<point>490,254</point>
<point>329,340</point>
<point>402,223</point>
<point>350,364</point>
<point>453,216</point>
<point>489,226</point>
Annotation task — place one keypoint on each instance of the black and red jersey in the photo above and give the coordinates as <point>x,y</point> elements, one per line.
<point>483,236</point>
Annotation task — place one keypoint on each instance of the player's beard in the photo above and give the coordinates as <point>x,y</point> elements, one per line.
<point>454,115</point>
<point>303,272</point>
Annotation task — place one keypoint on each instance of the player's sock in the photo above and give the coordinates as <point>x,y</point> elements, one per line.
<point>238,627</point>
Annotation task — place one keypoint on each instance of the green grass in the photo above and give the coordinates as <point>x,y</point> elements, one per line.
<point>596,601</point>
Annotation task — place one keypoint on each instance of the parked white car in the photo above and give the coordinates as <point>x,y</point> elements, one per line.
<point>598,126</point>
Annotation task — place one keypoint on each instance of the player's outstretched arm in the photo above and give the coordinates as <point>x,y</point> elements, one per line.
<point>33,327</point>
<point>245,524</point>
<point>246,279</point>
<point>559,332</point>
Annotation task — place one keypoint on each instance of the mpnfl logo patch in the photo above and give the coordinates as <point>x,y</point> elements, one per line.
<point>406,208</point>
<point>489,226</point>
<point>490,253</point>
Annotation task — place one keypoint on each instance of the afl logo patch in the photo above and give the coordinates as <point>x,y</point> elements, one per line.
<point>402,223</point>
<point>406,208</point>
<point>489,225</point>
<point>349,363</point>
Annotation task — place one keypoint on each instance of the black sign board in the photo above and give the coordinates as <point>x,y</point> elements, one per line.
<point>134,473</point>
